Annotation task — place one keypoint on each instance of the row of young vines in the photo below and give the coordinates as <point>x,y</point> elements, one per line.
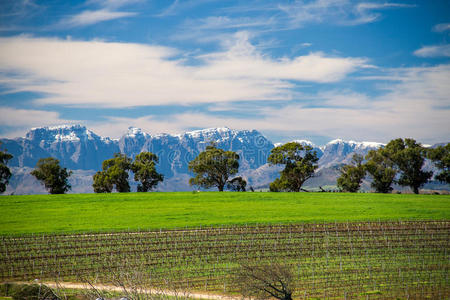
<point>348,260</point>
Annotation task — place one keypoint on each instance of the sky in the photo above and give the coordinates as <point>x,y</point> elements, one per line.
<point>308,69</point>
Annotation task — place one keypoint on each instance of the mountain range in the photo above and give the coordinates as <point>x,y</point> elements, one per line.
<point>81,150</point>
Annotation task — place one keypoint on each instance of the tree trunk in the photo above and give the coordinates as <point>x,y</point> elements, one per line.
<point>220,187</point>
<point>416,190</point>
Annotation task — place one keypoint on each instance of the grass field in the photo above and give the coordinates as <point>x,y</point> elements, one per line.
<point>134,211</point>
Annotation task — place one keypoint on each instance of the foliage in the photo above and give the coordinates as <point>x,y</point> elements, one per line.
<point>441,158</point>
<point>34,292</point>
<point>50,173</point>
<point>352,175</point>
<point>144,171</point>
<point>300,164</point>
<point>213,167</point>
<point>102,183</point>
<point>265,281</point>
<point>237,184</point>
<point>409,157</point>
<point>381,169</point>
<point>114,173</point>
<point>5,172</point>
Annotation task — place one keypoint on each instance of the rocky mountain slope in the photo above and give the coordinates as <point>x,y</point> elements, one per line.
<point>82,151</point>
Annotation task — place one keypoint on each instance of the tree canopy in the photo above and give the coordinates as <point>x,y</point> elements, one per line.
<point>352,175</point>
<point>381,169</point>
<point>408,157</point>
<point>213,167</point>
<point>300,164</point>
<point>114,174</point>
<point>52,175</point>
<point>237,184</point>
<point>144,171</point>
<point>5,172</point>
<point>441,158</point>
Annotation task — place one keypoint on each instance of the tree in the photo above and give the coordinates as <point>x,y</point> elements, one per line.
<point>352,175</point>
<point>114,174</point>
<point>102,183</point>
<point>237,184</point>
<point>5,172</point>
<point>408,157</point>
<point>381,169</point>
<point>266,281</point>
<point>144,171</point>
<point>213,167</point>
<point>441,158</point>
<point>300,164</point>
<point>50,173</point>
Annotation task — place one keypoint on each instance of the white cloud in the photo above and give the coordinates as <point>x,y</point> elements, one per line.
<point>416,106</point>
<point>433,51</point>
<point>84,73</point>
<point>442,27</point>
<point>89,17</point>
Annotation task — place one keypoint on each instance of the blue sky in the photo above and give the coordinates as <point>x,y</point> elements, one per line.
<point>312,69</point>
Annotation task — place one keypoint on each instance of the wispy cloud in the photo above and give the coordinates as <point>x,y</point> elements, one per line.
<point>263,17</point>
<point>113,4</point>
<point>83,73</point>
<point>340,12</point>
<point>178,7</point>
<point>433,51</point>
<point>441,27</point>
<point>89,17</point>
<point>108,11</point>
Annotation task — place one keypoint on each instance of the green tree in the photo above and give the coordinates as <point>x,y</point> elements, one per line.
<point>114,174</point>
<point>352,175</point>
<point>300,164</point>
<point>381,169</point>
<point>213,167</point>
<point>5,172</point>
<point>409,157</point>
<point>50,173</point>
<point>237,184</point>
<point>144,171</point>
<point>441,158</point>
<point>102,183</point>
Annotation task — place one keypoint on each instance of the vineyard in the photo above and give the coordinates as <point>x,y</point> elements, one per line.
<point>343,260</point>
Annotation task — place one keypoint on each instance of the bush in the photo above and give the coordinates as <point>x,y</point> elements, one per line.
<point>33,292</point>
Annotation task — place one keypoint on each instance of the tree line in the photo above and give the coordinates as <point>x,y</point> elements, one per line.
<point>399,162</point>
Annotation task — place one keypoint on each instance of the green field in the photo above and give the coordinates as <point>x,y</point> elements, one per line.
<point>142,211</point>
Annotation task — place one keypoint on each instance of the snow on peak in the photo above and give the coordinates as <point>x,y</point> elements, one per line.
<point>134,131</point>
<point>61,133</point>
<point>209,132</point>
<point>356,144</point>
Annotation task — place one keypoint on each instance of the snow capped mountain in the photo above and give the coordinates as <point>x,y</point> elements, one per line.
<point>74,145</point>
<point>339,151</point>
<point>83,151</point>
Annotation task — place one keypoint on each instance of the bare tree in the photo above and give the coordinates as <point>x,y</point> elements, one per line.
<point>266,281</point>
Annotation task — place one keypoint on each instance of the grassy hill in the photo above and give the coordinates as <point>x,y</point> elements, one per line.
<point>134,211</point>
